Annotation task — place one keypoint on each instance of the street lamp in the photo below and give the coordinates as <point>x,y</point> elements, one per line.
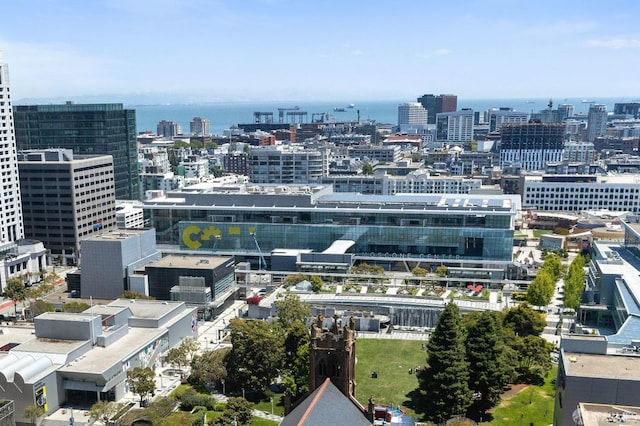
<point>271,405</point>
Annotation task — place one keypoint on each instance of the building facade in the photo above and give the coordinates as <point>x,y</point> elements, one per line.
<point>168,129</point>
<point>437,104</point>
<point>200,126</point>
<point>111,258</point>
<point>254,220</point>
<point>531,145</point>
<point>412,113</point>
<point>596,121</point>
<point>11,225</point>
<point>455,126</point>
<point>66,198</point>
<point>496,117</point>
<point>287,165</point>
<point>577,193</point>
<point>87,129</point>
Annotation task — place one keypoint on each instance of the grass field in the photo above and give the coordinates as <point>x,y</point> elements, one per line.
<point>391,359</point>
<point>531,405</point>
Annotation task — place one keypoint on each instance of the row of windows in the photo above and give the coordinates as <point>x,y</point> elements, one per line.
<point>606,190</point>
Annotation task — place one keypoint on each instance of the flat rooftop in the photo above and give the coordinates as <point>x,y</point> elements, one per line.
<point>100,359</point>
<point>607,414</point>
<point>140,308</point>
<point>118,234</point>
<point>191,262</point>
<point>620,367</point>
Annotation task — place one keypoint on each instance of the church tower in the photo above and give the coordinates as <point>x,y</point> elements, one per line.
<point>333,355</point>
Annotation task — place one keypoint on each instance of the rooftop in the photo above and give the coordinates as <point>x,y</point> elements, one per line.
<point>191,262</point>
<point>620,367</point>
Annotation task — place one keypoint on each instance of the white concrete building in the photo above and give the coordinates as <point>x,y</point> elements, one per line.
<point>596,121</point>
<point>11,226</point>
<point>577,193</point>
<point>455,126</point>
<point>412,113</point>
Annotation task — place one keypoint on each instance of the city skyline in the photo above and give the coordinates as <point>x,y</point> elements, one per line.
<point>182,50</point>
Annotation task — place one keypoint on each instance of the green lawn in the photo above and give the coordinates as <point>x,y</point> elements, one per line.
<point>265,404</point>
<point>258,421</point>
<point>538,232</point>
<point>533,405</point>
<point>391,359</point>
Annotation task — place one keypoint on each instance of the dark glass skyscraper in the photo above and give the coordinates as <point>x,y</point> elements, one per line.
<point>87,129</point>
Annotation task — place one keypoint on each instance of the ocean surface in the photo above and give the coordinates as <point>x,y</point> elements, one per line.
<point>226,114</point>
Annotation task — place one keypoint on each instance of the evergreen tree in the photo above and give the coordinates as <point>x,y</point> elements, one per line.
<point>444,384</point>
<point>489,370</point>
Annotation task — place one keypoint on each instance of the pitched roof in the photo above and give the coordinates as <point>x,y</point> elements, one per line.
<point>326,406</point>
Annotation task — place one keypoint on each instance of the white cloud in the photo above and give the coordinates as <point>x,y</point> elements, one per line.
<point>615,43</point>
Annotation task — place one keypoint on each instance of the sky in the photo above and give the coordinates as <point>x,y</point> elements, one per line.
<point>267,50</point>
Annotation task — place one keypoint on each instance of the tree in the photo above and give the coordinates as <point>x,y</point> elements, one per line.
<point>209,368</point>
<point>489,370</point>
<point>316,283</point>
<point>40,307</point>
<point>255,358</point>
<point>524,321</point>
<point>130,294</point>
<point>540,289</point>
<point>103,411</point>
<point>33,413</point>
<point>367,169</point>
<point>217,171</point>
<point>15,291</point>
<point>444,383</point>
<point>574,283</point>
<point>553,265</point>
<point>160,409</point>
<point>442,271</point>
<point>176,357</point>
<point>296,377</point>
<point>294,279</point>
<point>419,272</point>
<point>141,381</point>
<point>533,356</point>
<point>76,307</point>
<point>290,309</point>
<point>238,412</point>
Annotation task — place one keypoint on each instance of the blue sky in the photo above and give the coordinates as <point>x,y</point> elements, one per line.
<point>321,50</point>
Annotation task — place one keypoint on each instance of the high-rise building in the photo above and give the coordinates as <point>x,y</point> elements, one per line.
<point>531,145</point>
<point>411,113</point>
<point>596,121</point>
<point>455,126</point>
<point>438,104</point>
<point>87,129</point>
<point>11,227</point>
<point>168,129</point>
<point>628,108</point>
<point>200,126</point>
<point>498,116</point>
<point>565,111</point>
<point>66,198</point>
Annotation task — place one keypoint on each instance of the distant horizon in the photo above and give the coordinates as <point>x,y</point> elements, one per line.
<point>165,100</point>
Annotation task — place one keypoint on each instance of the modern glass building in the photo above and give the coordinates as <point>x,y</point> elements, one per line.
<point>612,290</point>
<point>456,229</point>
<point>87,129</point>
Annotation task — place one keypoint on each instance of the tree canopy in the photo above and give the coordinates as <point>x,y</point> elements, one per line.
<point>141,381</point>
<point>524,320</point>
<point>444,383</point>
<point>255,358</point>
<point>238,413</point>
<point>574,282</point>
<point>291,309</point>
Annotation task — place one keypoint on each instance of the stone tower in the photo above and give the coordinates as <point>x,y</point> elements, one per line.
<point>333,355</point>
